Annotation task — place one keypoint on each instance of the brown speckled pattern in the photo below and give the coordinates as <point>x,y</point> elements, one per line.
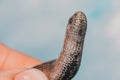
<point>67,65</point>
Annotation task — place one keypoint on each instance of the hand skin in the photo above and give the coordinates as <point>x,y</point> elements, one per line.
<point>14,64</point>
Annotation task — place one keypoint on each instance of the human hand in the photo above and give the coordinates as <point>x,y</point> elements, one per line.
<point>15,65</point>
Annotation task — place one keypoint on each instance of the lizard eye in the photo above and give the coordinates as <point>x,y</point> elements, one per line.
<point>81,32</point>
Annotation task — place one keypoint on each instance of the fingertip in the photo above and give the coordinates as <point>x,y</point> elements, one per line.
<point>31,74</point>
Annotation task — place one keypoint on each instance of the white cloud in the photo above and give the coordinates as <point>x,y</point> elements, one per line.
<point>115,5</point>
<point>113,31</point>
<point>114,26</point>
<point>113,35</point>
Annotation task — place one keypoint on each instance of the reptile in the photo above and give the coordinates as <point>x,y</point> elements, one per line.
<point>68,63</point>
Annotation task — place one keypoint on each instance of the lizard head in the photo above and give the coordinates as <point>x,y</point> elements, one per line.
<point>77,24</point>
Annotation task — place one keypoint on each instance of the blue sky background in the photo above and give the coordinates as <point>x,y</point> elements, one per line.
<point>37,28</point>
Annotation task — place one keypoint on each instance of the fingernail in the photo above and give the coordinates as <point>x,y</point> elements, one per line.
<point>31,74</point>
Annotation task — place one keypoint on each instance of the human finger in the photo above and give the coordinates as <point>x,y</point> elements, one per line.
<point>28,74</point>
<point>12,59</point>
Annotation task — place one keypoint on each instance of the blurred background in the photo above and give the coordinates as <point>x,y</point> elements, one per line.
<point>37,28</point>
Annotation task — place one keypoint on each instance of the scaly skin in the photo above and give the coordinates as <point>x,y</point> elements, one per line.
<point>67,65</point>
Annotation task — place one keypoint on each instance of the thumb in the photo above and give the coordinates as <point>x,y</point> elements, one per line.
<point>31,74</point>
<point>10,74</point>
<point>22,74</point>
